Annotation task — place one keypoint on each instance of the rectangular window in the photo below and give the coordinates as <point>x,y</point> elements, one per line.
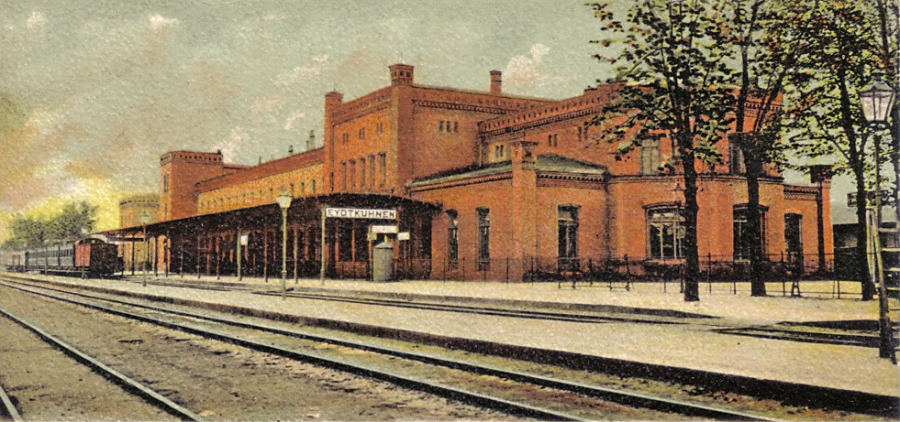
<point>352,174</point>
<point>743,237</point>
<point>345,241</point>
<point>452,236</point>
<point>165,183</point>
<point>362,133</point>
<point>361,243</point>
<point>455,127</point>
<point>345,138</point>
<point>382,168</point>
<point>649,157</point>
<point>379,128</point>
<point>372,171</point>
<point>484,239</point>
<point>314,187</point>
<point>302,188</point>
<point>567,229</point>
<point>343,176</point>
<point>793,237</point>
<point>665,233</point>
<point>362,172</point>
<point>736,159</point>
<point>441,126</point>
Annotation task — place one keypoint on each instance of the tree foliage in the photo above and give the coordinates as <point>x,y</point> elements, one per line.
<point>675,76</point>
<point>843,52</point>
<point>75,219</point>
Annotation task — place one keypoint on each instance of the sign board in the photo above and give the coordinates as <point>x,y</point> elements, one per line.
<point>384,214</point>
<point>384,229</point>
<point>245,239</point>
<point>371,237</point>
<point>403,236</point>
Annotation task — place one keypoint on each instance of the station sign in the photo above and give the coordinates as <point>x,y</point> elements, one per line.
<point>378,214</point>
<point>384,229</point>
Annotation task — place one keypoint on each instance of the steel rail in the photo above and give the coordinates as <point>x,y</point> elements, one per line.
<point>9,408</point>
<point>115,376</point>
<point>445,391</point>
<point>618,396</point>
<point>524,314</point>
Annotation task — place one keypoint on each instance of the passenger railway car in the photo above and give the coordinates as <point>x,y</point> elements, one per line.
<point>89,257</point>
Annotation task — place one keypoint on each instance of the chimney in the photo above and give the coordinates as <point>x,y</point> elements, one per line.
<point>401,74</point>
<point>496,82</point>
<point>311,142</point>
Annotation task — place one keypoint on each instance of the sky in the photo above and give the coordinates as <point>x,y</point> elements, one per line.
<point>93,92</point>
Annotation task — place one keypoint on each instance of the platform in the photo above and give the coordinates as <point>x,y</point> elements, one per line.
<point>696,344</point>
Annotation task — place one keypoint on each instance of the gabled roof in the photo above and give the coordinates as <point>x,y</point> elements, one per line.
<point>545,163</point>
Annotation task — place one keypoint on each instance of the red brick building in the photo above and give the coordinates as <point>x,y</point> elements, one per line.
<point>488,185</point>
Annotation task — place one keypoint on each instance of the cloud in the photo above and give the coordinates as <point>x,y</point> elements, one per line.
<point>158,22</point>
<point>301,73</point>
<point>289,122</point>
<point>36,20</point>
<point>231,143</point>
<point>525,71</point>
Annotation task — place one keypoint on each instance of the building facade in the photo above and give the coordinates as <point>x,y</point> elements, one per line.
<point>488,186</point>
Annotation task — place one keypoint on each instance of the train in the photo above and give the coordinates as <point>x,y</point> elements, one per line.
<point>88,257</point>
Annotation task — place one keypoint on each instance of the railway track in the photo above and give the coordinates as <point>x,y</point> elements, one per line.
<point>118,378</point>
<point>531,384</point>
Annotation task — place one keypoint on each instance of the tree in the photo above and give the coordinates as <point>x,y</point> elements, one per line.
<point>73,221</point>
<point>767,45</point>
<point>674,65</point>
<point>843,49</point>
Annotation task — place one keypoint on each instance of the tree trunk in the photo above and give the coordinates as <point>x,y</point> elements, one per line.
<point>862,263</point>
<point>692,259</point>
<point>754,223</point>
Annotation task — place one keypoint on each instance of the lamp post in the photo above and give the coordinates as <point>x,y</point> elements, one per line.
<point>145,218</point>
<point>678,193</point>
<point>284,202</point>
<point>876,99</point>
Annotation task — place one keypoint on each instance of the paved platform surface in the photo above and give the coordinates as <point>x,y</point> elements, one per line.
<point>694,345</point>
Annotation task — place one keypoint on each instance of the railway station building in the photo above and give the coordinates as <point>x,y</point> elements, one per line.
<point>478,184</point>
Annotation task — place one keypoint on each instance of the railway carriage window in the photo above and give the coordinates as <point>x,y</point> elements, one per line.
<point>665,233</point>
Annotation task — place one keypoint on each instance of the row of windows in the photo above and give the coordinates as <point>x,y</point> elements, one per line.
<point>567,217</point>
<point>665,234</point>
<point>361,133</point>
<point>666,231</point>
<point>262,195</point>
<point>367,175</point>
<point>448,126</point>
<point>52,253</point>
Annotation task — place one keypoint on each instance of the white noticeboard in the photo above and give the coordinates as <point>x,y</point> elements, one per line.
<point>379,214</point>
<point>384,229</point>
<point>245,239</point>
<point>403,236</point>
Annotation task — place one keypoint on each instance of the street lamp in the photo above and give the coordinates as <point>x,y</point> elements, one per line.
<point>145,218</point>
<point>284,202</point>
<point>876,99</point>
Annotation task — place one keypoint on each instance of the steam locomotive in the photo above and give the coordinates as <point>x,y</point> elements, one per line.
<point>89,257</point>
